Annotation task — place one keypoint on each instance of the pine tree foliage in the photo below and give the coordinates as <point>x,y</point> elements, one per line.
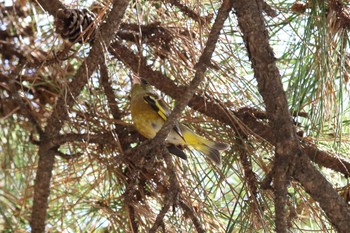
<point>101,182</point>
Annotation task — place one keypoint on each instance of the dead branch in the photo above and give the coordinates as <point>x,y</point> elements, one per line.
<point>189,12</point>
<point>191,213</point>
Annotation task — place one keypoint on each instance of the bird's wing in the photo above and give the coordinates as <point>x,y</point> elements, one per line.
<point>159,106</point>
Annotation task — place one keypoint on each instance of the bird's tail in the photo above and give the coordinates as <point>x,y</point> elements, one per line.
<point>201,144</point>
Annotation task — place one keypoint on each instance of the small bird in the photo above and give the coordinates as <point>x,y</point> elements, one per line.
<point>149,113</point>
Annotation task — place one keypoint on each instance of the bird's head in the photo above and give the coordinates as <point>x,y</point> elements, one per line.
<point>140,86</point>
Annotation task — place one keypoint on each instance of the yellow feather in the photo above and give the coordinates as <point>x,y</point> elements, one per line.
<point>149,114</point>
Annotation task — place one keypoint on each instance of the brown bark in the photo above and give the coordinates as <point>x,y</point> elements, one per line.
<point>60,112</point>
<point>245,119</point>
<point>201,67</point>
<point>281,131</point>
<point>252,124</point>
<point>287,148</point>
<point>289,157</point>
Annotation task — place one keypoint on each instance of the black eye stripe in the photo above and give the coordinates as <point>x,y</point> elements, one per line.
<point>151,102</point>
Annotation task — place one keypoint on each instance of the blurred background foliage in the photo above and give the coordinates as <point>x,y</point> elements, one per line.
<point>310,41</point>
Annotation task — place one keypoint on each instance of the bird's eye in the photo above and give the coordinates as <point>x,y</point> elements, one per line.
<point>144,82</point>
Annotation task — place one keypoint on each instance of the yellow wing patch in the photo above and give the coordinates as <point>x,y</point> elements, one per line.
<point>156,105</point>
<point>162,109</point>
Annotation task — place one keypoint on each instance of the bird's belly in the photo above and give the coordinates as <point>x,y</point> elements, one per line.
<point>150,127</point>
<point>175,138</point>
<point>147,127</point>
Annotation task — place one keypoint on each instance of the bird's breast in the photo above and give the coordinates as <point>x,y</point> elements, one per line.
<point>148,122</point>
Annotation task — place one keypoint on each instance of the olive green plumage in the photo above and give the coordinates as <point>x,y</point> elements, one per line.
<point>149,113</point>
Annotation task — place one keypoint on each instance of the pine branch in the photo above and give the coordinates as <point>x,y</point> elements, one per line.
<point>19,100</point>
<point>322,158</point>
<point>187,11</point>
<point>201,67</point>
<point>289,157</point>
<point>60,113</point>
<point>109,92</point>
<point>100,138</point>
<point>172,194</point>
<point>50,6</point>
<point>255,36</point>
<point>191,213</point>
<point>243,120</point>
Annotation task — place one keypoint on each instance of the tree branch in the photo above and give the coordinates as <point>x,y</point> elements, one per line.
<point>19,101</point>
<point>243,120</point>
<point>50,6</point>
<point>322,158</point>
<point>323,192</point>
<point>109,92</point>
<point>100,138</point>
<point>170,197</point>
<point>289,158</point>
<point>60,112</point>
<point>189,12</point>
<point>287,148</point>
<point>190,212</point>
<point>201,67</point>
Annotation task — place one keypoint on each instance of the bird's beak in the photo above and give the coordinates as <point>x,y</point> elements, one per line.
<point>135,79</point>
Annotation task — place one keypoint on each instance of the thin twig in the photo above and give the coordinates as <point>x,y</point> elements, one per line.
<point>68,156</point>
<point>246,162</point>
<point>50,6</point>
<point>107,87</point>
<point>161,215</point>
<point>267,8</point>
<point>60,112</point>
<point>172,194</point>
<point>121,130</point>
<point>201,67</point>
<point>290,159</point>
<point>132,218</point>
<point>19,100</point>
<point>247,117</point>
<point>189,12</point>
<point>190,212</point>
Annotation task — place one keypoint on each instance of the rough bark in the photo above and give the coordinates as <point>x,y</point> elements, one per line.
<point>60,112</point>
<point>289,157</point>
